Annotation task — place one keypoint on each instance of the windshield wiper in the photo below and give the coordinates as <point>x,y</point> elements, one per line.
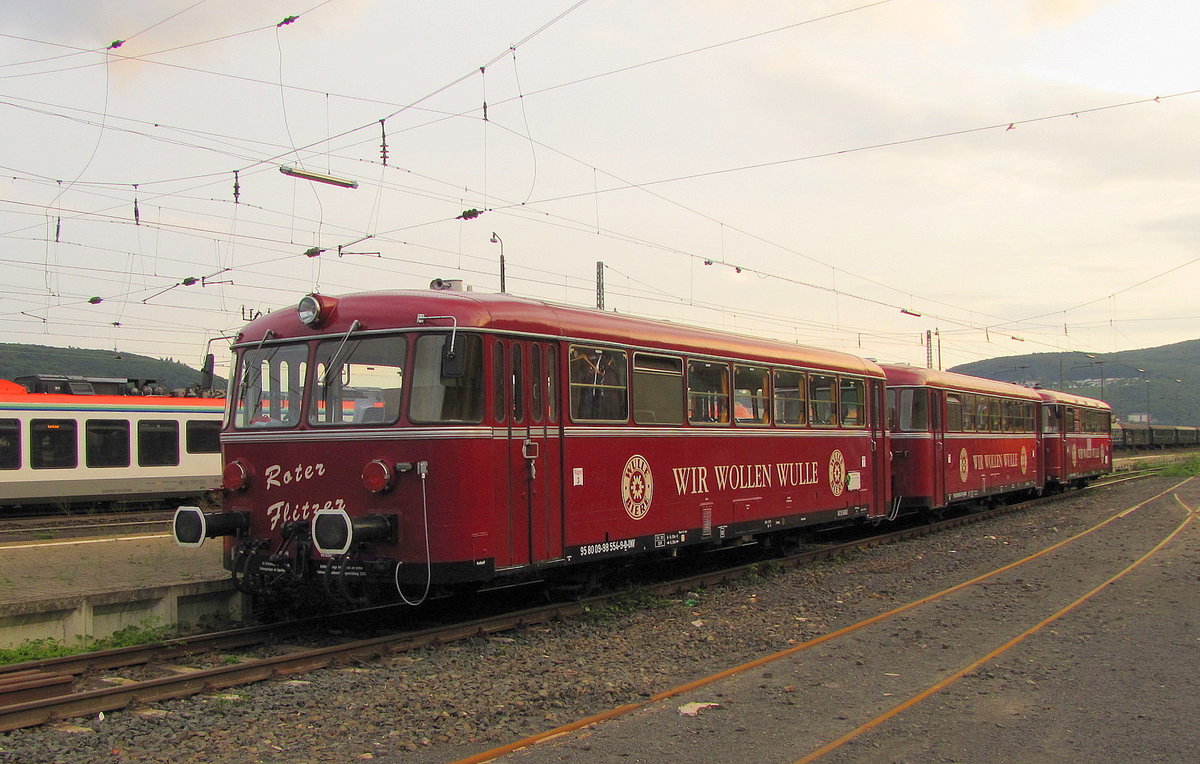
<point>246,381</point>
<point>333,361</point>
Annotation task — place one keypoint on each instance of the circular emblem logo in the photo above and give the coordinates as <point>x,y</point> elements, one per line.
<point>637,487</point>
<point>1024,461</point>
<point>964,467</point>
<point>837,472</point>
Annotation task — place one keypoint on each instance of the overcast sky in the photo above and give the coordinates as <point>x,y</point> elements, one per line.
<point>804,170</point>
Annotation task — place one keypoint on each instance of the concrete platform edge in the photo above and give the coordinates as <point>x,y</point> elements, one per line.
<point>75,618</point>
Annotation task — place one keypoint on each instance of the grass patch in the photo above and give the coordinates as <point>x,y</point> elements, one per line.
<point>43,649</point>
<point>1188,468</point>
<point>633,601</point>
<point>760,571</point>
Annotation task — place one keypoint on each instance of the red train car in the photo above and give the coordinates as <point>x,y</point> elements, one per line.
<point>418,438</point>
<point>957,438</point>
<point>1076,438</point>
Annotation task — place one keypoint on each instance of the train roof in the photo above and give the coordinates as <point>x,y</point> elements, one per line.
<point>948,380</point>
<point>505,313</point>
<point>112,403</point>
<point>1070,399</point>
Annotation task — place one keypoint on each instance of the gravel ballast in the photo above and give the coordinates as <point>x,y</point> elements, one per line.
<point>442,703</point>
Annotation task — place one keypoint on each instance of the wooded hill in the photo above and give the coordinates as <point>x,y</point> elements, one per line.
<point>1163,380</point>
<point>17,360</point>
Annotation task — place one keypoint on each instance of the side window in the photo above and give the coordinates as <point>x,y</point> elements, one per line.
<point>52,444</point>
<point>821,400</point>
<point>203,437</point>
<point>968,412</point>
<point>158,443</point>
<point>708,392</point>
<point>437,398</point>
<point>552,383</point>
<point>914,409</point>
<point>10,444</point>
<point>851,400</point>
<point>657,389</point>
<point>499,410</point>
<point>518,386</point>
<point>537,384</point>
<point>751,395</point>
<point>789,397</point>
<point>954,412</point>
<point>106,443</point>
<point>599,384</point>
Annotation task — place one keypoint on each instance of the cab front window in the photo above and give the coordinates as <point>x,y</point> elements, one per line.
<point>269,387</point>
<point>357,381</point>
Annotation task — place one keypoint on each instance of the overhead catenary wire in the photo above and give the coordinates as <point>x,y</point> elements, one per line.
<point>431,223</point>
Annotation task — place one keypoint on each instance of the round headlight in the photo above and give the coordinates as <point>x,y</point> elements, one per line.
<point>309,310</point>
<point>377,476</point>
<point>235,476</point>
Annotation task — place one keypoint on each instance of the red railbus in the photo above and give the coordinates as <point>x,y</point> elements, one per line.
<point>1076,438</point>
<point>418,438</point>
<point>957,438</point>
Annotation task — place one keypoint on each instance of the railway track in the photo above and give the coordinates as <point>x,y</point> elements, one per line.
<point>77,526</point>
<point>38,692</point>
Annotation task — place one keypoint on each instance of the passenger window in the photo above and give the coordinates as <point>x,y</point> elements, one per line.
<point>203,437</point>
<point>657,389</point>
<point>10,444</point>
<point>954,412</point>
<point>52,444</point>
<point>106,443</point>
<point>821,400</point>
<point>708,392</point>
<point>751,395</point>
<point>851,401</point>
<point>158,443</point>
<point>599,385</point>
<point>789,397</point>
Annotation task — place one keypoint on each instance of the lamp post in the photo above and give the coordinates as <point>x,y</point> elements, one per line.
<point>497,240</point>
<point>1147,378</point>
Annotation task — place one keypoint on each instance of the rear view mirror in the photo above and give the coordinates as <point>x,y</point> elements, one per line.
<point>453,361</point>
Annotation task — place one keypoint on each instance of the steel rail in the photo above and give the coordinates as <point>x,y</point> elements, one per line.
<point>36,711</point>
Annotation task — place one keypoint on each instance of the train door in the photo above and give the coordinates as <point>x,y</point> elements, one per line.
<point>940,458</point>
<point>534,452</point>
<point>880,451</point>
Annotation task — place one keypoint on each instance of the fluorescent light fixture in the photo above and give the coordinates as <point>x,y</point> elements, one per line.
<point>297,172</point>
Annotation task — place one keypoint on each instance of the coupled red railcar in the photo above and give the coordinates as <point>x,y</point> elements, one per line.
<point>957,438</point>
<point>1076,438</point>
<point>411,439</point>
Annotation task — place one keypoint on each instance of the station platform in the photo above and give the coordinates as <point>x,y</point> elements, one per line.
<point>73,588</point>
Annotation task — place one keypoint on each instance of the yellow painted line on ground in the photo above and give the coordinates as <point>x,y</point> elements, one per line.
<point>944,683</point>
<point>613,713</point>
<point>43,544</point>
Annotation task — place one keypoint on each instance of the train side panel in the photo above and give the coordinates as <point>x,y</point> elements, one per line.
<point>61,449</point>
